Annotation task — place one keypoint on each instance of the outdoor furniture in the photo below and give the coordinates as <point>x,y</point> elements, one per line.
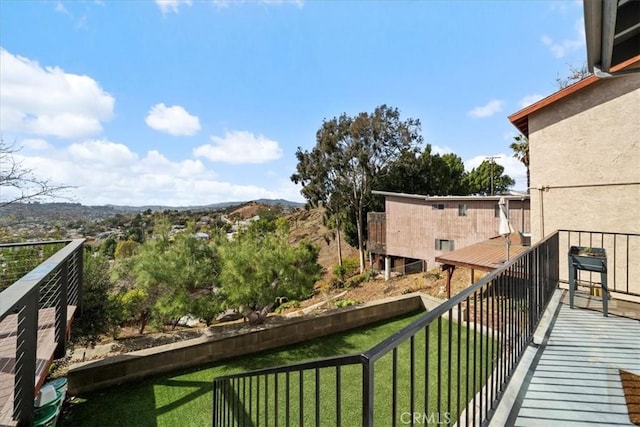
<point>588,259</point>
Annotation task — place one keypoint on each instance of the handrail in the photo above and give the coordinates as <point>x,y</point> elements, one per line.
<point>387,345</point>
<point>16,293</point>
<point>617,233</point>
<point>36,243</point>
<point>54,284</point>
<point>527,280</point>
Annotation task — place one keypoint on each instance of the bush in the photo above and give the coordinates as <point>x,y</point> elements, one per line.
<point>348,268</point>
<point>287,305</point>
<point>356,280</point>
<point>348,302</point>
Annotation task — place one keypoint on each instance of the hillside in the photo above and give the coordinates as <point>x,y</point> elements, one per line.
<point>308,224</point>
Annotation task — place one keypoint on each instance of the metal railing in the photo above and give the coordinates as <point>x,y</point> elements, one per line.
<point>623,253</point>
<point>33,323</point>
<point>451,364</point>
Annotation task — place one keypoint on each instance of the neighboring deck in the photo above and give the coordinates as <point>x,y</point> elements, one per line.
<point>45,350</point>
<point>573,377</point>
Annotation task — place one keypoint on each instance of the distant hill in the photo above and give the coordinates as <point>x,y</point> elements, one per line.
<point>107,210</point>
<point>214,206</point>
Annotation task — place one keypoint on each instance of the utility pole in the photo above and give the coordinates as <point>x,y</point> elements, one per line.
<point>491,158</point>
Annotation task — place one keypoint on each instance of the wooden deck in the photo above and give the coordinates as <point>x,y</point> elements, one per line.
<point>45,351</point>
<point>574,378</point>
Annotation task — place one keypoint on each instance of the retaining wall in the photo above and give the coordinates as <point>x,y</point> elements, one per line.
<point>95,375</point>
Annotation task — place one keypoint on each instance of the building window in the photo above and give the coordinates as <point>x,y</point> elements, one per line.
<point>496,211</point>
<point>438,206</point>
<point>462,209</point>
<point>444,245</point>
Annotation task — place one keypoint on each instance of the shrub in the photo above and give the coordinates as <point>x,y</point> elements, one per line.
<point>357,280</point>
<point>347,302</point>
<point>287,305</point>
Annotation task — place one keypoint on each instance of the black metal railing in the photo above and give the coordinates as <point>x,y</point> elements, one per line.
<point>623,253</point>
<point>34,314</point>
<point>451,365</point>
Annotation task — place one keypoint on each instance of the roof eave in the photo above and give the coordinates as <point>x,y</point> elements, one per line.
<point>520,119</point>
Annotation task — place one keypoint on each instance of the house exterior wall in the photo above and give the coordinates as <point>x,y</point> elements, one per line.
<point>413,225</point>
<point>585,160</point>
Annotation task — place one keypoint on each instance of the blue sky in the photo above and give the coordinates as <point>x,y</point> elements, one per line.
<point>194,102</point>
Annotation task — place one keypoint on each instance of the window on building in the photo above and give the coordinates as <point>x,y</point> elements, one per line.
<point>444,245</point>
<point>496,211</point>
<point>462,209</point>
<point>438,206</point>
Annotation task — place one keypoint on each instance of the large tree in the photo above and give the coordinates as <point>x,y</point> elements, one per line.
<point>18,183</point>
<point>425,173</point>
<point>488,179</point>
<point>350,155</point>
<point>520,147</point>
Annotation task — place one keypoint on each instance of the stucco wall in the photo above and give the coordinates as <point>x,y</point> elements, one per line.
<point>585,153</point>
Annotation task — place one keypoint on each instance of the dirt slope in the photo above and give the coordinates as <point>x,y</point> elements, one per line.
<point>308,224</point>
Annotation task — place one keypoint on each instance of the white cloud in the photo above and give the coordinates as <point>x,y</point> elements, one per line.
<point>530,99</point>
<point>60,8</point>
<point>173,120</point>
<point>489,109</point>
<point>512,167</point>
<point>107,172</point>
<point>171,6</point>
<point>240,147</point>
<point>35,144</point>
<point>436,149</point>
<point>48,101</point>
<point>566,46</point>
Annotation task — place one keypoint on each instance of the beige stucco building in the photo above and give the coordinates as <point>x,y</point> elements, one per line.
<point>584,152</point>
<point>418,227</point>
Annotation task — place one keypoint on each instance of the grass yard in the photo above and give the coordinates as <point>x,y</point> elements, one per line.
<point>185,398</point>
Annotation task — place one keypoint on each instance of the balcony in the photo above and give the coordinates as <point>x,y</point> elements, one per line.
<point>36,312</point>
<point>507,350</point>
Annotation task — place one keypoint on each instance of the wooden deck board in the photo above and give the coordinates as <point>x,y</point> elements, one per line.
<point>44,353</point>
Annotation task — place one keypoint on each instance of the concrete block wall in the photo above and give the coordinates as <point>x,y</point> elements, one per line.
<point>95,375</point>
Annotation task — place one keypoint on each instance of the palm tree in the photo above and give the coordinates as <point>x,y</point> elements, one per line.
<point>520,149</point>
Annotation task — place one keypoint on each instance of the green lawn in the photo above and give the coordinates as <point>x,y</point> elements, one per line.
<point>185,398</point>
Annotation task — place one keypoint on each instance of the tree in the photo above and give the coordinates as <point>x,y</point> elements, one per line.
<point>125,249</point>
<point>489,174</point>
<point>18,184</point>
<point>167,279</point>
<point>520,149</point>
<point>257,269</point>
<point>425,173</point>
<point>350,154</point>
<point>100,313</point>
<point>457,175</point>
